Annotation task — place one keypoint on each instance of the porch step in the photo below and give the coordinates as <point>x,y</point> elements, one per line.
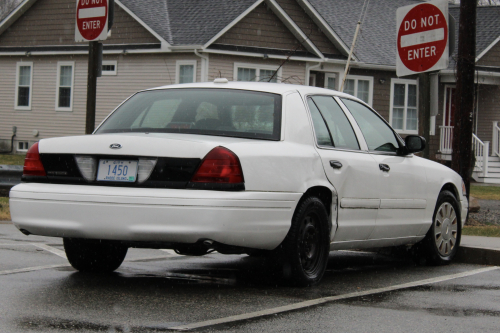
<point>487,180</point>
<point>493,164</point>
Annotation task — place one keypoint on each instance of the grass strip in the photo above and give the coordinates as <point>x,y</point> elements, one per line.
<point>485,192</point>
<point>487,231</point>
<point>4,209</point>
<point>12,159</point>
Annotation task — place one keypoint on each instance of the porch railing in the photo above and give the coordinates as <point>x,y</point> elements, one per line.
<point>481,151</point>
<point>445,145</point>
<point>496,139</point>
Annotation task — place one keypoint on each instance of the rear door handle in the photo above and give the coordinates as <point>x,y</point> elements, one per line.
<point>384,167</point>
<point>335,164</point>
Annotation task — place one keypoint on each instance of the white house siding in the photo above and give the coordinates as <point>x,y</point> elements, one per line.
<point>223,66</point>
<point>135,72</point>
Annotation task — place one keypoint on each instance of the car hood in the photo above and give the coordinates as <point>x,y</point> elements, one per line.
<point>137,144</point>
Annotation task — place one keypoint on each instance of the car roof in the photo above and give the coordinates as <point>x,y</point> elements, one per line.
<point>276,88</point>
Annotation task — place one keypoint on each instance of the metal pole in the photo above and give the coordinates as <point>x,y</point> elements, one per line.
<point>92,87</point>
<point>350,55</point>
<point>462,133</point>
<point>424,106</point>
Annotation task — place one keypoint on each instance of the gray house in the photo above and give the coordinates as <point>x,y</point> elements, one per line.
<point>43,71</point>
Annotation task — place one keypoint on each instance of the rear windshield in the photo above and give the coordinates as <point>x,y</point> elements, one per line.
<point>223,112</point>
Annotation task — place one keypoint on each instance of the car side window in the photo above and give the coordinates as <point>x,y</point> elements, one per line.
<point>322,135</point>
<point>339,126</point>
<point>378,135</point>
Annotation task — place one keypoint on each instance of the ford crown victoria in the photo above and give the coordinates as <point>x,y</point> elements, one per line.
<point>286,171</point>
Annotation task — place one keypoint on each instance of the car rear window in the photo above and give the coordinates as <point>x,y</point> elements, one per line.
<point>223,112</point>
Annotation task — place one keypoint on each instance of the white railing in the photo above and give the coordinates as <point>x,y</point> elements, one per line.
<point>446,142</point>
<point>481,151</point>
<point>496,139</point>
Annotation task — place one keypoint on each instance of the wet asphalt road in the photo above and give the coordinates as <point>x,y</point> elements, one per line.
<point>155,291</point>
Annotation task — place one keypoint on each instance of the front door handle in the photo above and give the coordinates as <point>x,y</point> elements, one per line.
<point>335,164</point>
<point>384,167</point>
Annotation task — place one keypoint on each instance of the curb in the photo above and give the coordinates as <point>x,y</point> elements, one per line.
<point>478,255</point>
<point>10,175</point>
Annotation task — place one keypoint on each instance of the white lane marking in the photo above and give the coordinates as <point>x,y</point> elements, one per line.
<point>147,258</point>
<point>91,12</point>
<point>422,37</point>
<point>172,252</point>
<point>51,249</point>
<point>31,269</point>
<point>39,268</point>
<point>318,301</point>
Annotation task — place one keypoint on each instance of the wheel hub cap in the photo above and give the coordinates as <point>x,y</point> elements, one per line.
<point>445,229</point>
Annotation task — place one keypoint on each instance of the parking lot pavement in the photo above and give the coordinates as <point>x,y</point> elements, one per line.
<point>155,291</point>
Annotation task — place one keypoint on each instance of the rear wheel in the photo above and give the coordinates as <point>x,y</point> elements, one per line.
<point>304,252</point>
<point>441,243</point>
<point>92,255</point>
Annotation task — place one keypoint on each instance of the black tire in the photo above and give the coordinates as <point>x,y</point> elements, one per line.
<point>93,255</point>
<point>442,241</point>
<point>304,252</point>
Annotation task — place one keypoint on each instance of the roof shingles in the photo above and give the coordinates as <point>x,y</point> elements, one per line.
<point>187,22</point>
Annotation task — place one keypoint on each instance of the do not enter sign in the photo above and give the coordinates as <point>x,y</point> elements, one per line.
<point>422,40</point>
<point>91,20</point>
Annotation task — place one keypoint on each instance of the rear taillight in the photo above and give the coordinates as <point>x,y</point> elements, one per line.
<point>32,164</point>
<point>220,166</point>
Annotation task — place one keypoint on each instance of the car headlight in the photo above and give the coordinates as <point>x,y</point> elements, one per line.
<point>464,190</point>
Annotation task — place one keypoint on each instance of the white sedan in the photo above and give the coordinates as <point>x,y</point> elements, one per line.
<point>286,171</point>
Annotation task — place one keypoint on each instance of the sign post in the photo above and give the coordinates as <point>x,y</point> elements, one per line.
<point>92,25</point>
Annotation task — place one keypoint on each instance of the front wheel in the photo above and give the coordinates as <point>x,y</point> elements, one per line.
<point>441,243</point>
<point>93,255</point>
<point>304,252</point>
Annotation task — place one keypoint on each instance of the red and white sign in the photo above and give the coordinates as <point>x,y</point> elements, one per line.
<point>422,44</point>
<point>91,20</point>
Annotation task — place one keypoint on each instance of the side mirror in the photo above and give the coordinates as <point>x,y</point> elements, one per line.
<point>414,144</point>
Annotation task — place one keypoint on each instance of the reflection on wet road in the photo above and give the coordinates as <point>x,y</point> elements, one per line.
<point>156,291</point>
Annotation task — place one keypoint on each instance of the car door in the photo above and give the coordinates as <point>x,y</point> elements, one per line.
<point>349,169</point>
<point>400,180</point>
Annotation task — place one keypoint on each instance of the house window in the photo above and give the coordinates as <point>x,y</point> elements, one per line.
<point>360,86</point>
<point>22,146</point>
<point>312,80</point>
<point>331,81</point>
<point>185,71</point>
<point>251,72</point>
<point>24,82</point>
<point>109,67</point>
<point>65,79</point>
<point>404,110</point>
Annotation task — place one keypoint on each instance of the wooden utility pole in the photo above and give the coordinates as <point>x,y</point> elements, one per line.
<point>424,107</point>
<point>462,132</point>
<point>92,86</point>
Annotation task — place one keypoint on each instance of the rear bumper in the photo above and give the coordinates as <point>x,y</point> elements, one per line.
<point>258,220</point>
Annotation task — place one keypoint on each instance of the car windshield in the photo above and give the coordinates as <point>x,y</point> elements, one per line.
<point>223,112</point>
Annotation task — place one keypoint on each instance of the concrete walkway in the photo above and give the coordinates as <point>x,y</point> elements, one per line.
<point>481,242</point>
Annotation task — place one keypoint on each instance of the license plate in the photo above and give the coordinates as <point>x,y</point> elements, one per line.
<point>117,171</point>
